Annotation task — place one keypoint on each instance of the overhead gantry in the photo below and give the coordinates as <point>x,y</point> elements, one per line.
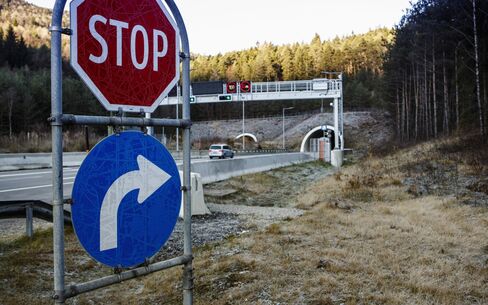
<point>320,88</point>
<point>315,89</point>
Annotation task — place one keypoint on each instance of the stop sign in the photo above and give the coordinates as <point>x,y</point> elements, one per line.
<point>126,51</point>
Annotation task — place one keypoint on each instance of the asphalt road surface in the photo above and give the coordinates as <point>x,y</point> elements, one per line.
<point>37,184</point>
<point>33,184</point>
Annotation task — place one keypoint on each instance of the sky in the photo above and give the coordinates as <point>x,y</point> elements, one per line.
<point>219,26</point>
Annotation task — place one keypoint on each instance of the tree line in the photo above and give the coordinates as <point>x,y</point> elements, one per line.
<point>268,62</point>
<point>359,56</point>
<point>25,82</point>
<point>431,70</point>
<point>25,77</point>
<point>436,72</point>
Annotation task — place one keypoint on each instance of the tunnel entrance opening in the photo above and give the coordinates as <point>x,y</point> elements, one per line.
<point>250,141</point>
<point>311,141</point>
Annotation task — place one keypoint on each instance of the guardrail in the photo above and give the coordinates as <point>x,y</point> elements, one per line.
<point>30,209</point>
<point>260,151</point>
<point>16,161</point>
<point>43,160</point>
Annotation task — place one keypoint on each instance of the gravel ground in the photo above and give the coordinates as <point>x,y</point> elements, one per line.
<point>225,220</point>
<point>247,203</point>
<point>15,228</point>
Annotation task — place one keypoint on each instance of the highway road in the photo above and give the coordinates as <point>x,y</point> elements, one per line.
<point>37,184</point>
<point>33,184</point>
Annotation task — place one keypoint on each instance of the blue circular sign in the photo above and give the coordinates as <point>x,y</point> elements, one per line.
<point>126,199</point>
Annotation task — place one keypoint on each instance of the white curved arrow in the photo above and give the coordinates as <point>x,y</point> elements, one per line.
<point>148,179</point>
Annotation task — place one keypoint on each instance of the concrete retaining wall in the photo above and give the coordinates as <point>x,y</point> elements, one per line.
<point>218,170</point>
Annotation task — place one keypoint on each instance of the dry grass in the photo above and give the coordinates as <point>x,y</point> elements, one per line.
<point>33,142</point>
<point>363,240</point>
<point>280,187</point>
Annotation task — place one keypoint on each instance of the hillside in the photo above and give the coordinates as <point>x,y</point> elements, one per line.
<point>25,77</point>
<point>29,21</point>
<point>363,130</point>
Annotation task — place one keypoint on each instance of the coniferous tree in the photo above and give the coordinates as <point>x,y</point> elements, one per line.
<point>11,47</point>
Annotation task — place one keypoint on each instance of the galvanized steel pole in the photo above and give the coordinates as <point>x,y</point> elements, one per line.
<point>341,111</point>
<point>336,124</point>
<point>177,116</point>
<point>74,290</point>
<point>57,151</point>
<point>283,134</point>
<point>121,121</point>
<point>239,97</point>
<point>150,129</point>
<point>29,228</point>
<point>185,54</point>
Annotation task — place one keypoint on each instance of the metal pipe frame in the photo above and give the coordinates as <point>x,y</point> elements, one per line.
<point>57,150</point>
<point>61,293</point>
<point>185,56</point>
<point>74,290</point>
<point>122,121</point>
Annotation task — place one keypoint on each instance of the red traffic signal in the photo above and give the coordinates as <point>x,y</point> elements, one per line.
<point>245,86</point>
<point>231,87</point>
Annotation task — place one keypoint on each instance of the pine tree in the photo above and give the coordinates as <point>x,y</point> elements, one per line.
<point>10,47</point>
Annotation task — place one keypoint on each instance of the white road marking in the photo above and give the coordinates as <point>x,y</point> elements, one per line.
<point>36,186</point>
<point>67,175</point>
<point>35,173</point>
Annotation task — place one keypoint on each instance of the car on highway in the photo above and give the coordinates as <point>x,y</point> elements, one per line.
<point>220,151</point>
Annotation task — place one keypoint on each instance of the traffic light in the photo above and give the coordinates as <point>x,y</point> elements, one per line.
<point>245,86</point>
<point>231,87</point>
<point>225,97</point>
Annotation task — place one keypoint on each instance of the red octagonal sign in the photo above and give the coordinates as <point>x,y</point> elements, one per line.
<point>126,51</point>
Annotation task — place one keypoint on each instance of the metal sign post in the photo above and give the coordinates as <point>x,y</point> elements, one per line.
<point>58,119</point>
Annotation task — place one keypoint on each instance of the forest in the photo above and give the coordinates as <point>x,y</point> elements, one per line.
<point>430,71</point>
<point>436,71</point>
<point>25,83</point>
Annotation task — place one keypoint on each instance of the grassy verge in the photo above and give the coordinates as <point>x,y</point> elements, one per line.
<point>370,237</point>
<point>277,188</point>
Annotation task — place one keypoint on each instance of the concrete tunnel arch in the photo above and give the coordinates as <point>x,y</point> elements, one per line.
<point>304,147</point>
<point>247,135</point>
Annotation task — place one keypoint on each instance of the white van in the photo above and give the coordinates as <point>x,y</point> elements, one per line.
<point>220,151</point>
